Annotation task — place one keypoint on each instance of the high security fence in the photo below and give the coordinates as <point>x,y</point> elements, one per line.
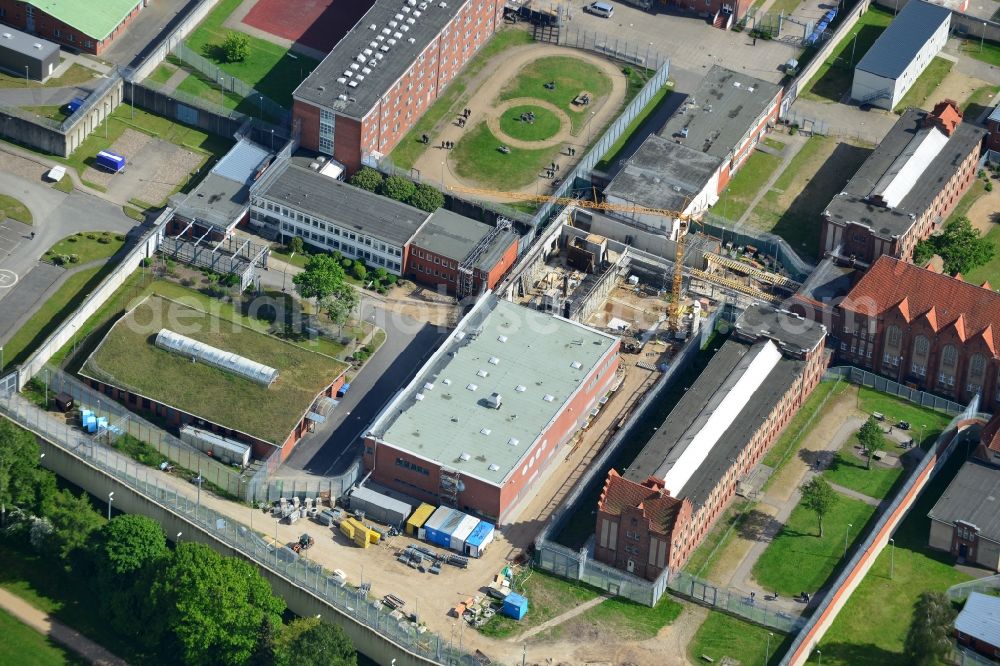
<point>300,571</point>
<point>616,48</point>
<point>989,585</point>
<point>332,487</point>
<point>883,385</point>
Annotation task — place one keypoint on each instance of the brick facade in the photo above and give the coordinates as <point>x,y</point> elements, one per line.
<point>436,270</point>
<point>20,15</point>
<point>993,125</point>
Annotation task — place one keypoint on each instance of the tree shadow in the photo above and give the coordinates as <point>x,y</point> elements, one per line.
<point>817,459</point>
<point>860,654</point>
<point>758,526</point>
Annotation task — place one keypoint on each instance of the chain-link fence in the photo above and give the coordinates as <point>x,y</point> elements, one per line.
<point>303,573</point>
<point>770,244</point>
<point>989,585</point>
<point>331,488</point>
<point>883,385</point>
<point>636,53</point>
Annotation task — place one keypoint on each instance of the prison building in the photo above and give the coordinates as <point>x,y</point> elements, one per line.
<point>25,55</point>
<point>907,187</point>
<point>652,515</point>
<point>87,26</point>
<point>329,214</point>
<point>900,55</point>
<point>386,72</point>
<point>460,254</point>
<point>686,166</point>
<point>485,421</point>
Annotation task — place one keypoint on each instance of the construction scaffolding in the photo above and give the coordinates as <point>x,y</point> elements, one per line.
<point>466,269</point>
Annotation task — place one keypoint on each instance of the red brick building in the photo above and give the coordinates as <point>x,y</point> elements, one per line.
<point>906,188</point>
<point>378,81</point>
<point>924,329</point>
<point>460,254</point>
<point>654,514</point>
<point>993,125</point>
<point>486,419</point>
<point>978,625</point>
<point>87,25</point>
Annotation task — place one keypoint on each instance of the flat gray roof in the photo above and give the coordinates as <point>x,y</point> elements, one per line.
<point>663,174</point>
<point>896,48</point>
<point>534,361</point>
<point>341,203</point>
<point>25,44</point>
<point>973,497</point>
<point>852,205</point>
<point>719,113</point>
<point>455,236</point>
<point>401,32</point>
<point>791,332</point>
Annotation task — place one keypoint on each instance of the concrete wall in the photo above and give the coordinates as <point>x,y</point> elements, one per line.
<point>300,601</point>
<point>154,59</point>
<point>973,27</point>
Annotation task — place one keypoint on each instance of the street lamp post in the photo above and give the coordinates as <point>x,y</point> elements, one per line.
<point>177,539</point>
<point>892,557</point>
<point>260,98</point>
<point>1,357</point>
<point>27,80</point>
<point>854,45</point>
<point>819,654</point>
<point>111,498</point>
<point>767,651</point>
<point>846,535</point>
<point>982,37</point>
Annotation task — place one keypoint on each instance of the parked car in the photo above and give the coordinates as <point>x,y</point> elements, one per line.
<point>604,9</point>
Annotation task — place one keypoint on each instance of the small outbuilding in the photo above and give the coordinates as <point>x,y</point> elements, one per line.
<point>380,508</point>
<point>25,55</point>
<point>515,606</point>
<point>418,518</point>
<point>479,539</point>
<point>978,625</point>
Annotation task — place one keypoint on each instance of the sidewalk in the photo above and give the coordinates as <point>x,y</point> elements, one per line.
<point>57,631</point>
<point>793,144</point>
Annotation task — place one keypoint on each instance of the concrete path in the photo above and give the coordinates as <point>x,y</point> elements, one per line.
<point>175,80</point>
<point>845,120</point>
<point>57,631</point>
<point>793,144</point>
<point>854,494</point>
<point>559,619</point>
<point>968,65</point>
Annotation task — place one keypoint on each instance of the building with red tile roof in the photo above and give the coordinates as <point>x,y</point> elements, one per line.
<point>924,329</point>
<point>652,516</point>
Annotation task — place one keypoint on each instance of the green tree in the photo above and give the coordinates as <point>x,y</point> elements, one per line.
<point>74,520</point>
<point>310,642</point>
<point>340,306</point>
<point>359,270</point>
<point>426,198</point>
<point>128,543</point>
<point>367,178</point>
<point>960,246</point>
<point>871,438</point>
<point>322,277</point>
<point>236,47</point>
<point>265,651</point>
<point>296,245</point>
<point>398,188</point>
<point>928,640</point>
<point>818,497</point>
<point>21,479</point>
<point>213,605</point>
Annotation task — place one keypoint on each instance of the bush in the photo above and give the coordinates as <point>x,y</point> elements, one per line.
<point>346,263</point>
<point>236,48</point>
<point>359,271</point>
<point>398,188</point>
<point>426,198</point>
<point>367,179</point>
<point>989,186</point>
<point>93,236</point>
<point>104,240</point>
<point>391,279</point>
<point>73,258</point>
<point>71,239</point>
<point>627,71</point>
<point>119,237</point>
<point>146,262</point>
<point>187,282</point>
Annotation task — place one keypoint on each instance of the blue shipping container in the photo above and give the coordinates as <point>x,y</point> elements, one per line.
<point>515,606</point>
<point>110,161</point>
<point>481,537</point>
<point>74,105</point>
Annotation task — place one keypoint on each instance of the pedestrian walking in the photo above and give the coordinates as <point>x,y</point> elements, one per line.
<point>443,143</point>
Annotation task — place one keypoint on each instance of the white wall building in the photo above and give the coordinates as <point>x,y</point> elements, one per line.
<point>901,54</point>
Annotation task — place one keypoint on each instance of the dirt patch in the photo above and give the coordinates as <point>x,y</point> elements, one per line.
<point>985,212</point>
<point>20,166</point>
<point>174,167</point>
<point>955,85</point>
<point>128,144</point>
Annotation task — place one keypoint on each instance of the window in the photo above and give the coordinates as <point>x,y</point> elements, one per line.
<point>949,355</point>
<point>893,336</point>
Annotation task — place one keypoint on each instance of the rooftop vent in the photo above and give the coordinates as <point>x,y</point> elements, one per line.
<point>520,388</point>
<point>342,97</point>
<point>419,396</point>
<point>393,24</point>
<point>404,27</point>
<point>576,365</point>
<point>398,17</point>
<point>406,9</point>
<point>373,27</point>
<point>386,31</point>
<point>460,335</point>
<point>482,373</point>
<point>411,20</point>
<point>472,387</point>
<point>342,80</point>
<point>7,35</point>
<point>485,431</point>
<point>355,66</point>
<point>416,13</point>
<point>548,397</point>
<point>513,441</point>
<point>366,70</point>
<point>494,467</point>
<point>465,457</point>
<point>494,360</point>
<point>446,382</point>
<point>495,400</point>
<point>502,338</point>
<point>443,5</point>
<point>397,35</point>
<point>352,84</point>
<point>392,42</point>
<point>428,386</point>
<point>411,40</point>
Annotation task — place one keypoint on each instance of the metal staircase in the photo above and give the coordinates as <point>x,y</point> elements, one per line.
<point>466,269</point>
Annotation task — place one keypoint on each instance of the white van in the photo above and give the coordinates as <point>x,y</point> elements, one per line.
<point>601,9</point>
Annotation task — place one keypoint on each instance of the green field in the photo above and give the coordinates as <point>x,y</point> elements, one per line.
<point>870,629</point>
<point>989,272</point>
<point>651,106</point>
<point>833,79</point>
<point>988,52</point>
<point>546,124</point>
<point>21,644</point>
<point>14,209</point>
<point>722,635</point>
<point>75,75</point>
<point>850,470</point>
<point>451,101</point>
<point>980,100</point>
<point>127,358</point>
<point>548,596</point>
<point>799,559</point>
<point>791,437</point>
<point>88,246</point>
<point>477,157</point>
<point>746,184</point>
<point>571,76</point>
<point>52,112</point>
<point>925,85</point>
<point>270,69</point>
<point>926,424</point>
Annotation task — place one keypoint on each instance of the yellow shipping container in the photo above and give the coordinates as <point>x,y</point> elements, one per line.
<point>418,518</point>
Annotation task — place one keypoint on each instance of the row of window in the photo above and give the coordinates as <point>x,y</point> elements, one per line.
<point>413,467</point>
<point>333,229</point>
<point>420,254</point>
<point>345,248</point>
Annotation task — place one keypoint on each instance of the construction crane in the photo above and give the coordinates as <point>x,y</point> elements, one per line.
<point>675,311</point>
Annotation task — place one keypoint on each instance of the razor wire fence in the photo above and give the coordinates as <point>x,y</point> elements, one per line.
<point>307,575</point>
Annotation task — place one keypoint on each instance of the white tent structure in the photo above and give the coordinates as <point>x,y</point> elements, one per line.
<point>199,351</point>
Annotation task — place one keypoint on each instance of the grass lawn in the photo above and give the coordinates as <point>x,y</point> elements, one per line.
<point>897,409</point>
<point>791,437</point>
<point>572,76</point>
<point>870,629</point>
<point>545,124</point>
<point>128,358</point>
<point>722,635</point>
<point>198,85</point>
<point>14,209</point>
<point>749,180</point>
<point>925,85</point>
<point>988,52</point>
<point>701,560</point>
<point>476,157</point>
<point>792,207</point>
<point>651,106</point>
<point>162,73</point>
<point>452,100</point>
<point>75,75</point>
<point>980,100</point>
<point>851,471</point>
<point>88,246</point>
<point>798,559</point>
<point>771,142</point>
<point>834,77</point>
<point>20,641</point>
<point>621,618</point>
<point>269,69</point>
<point>548,596</point>
<point>53,112</point>
<point>989,272</point>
